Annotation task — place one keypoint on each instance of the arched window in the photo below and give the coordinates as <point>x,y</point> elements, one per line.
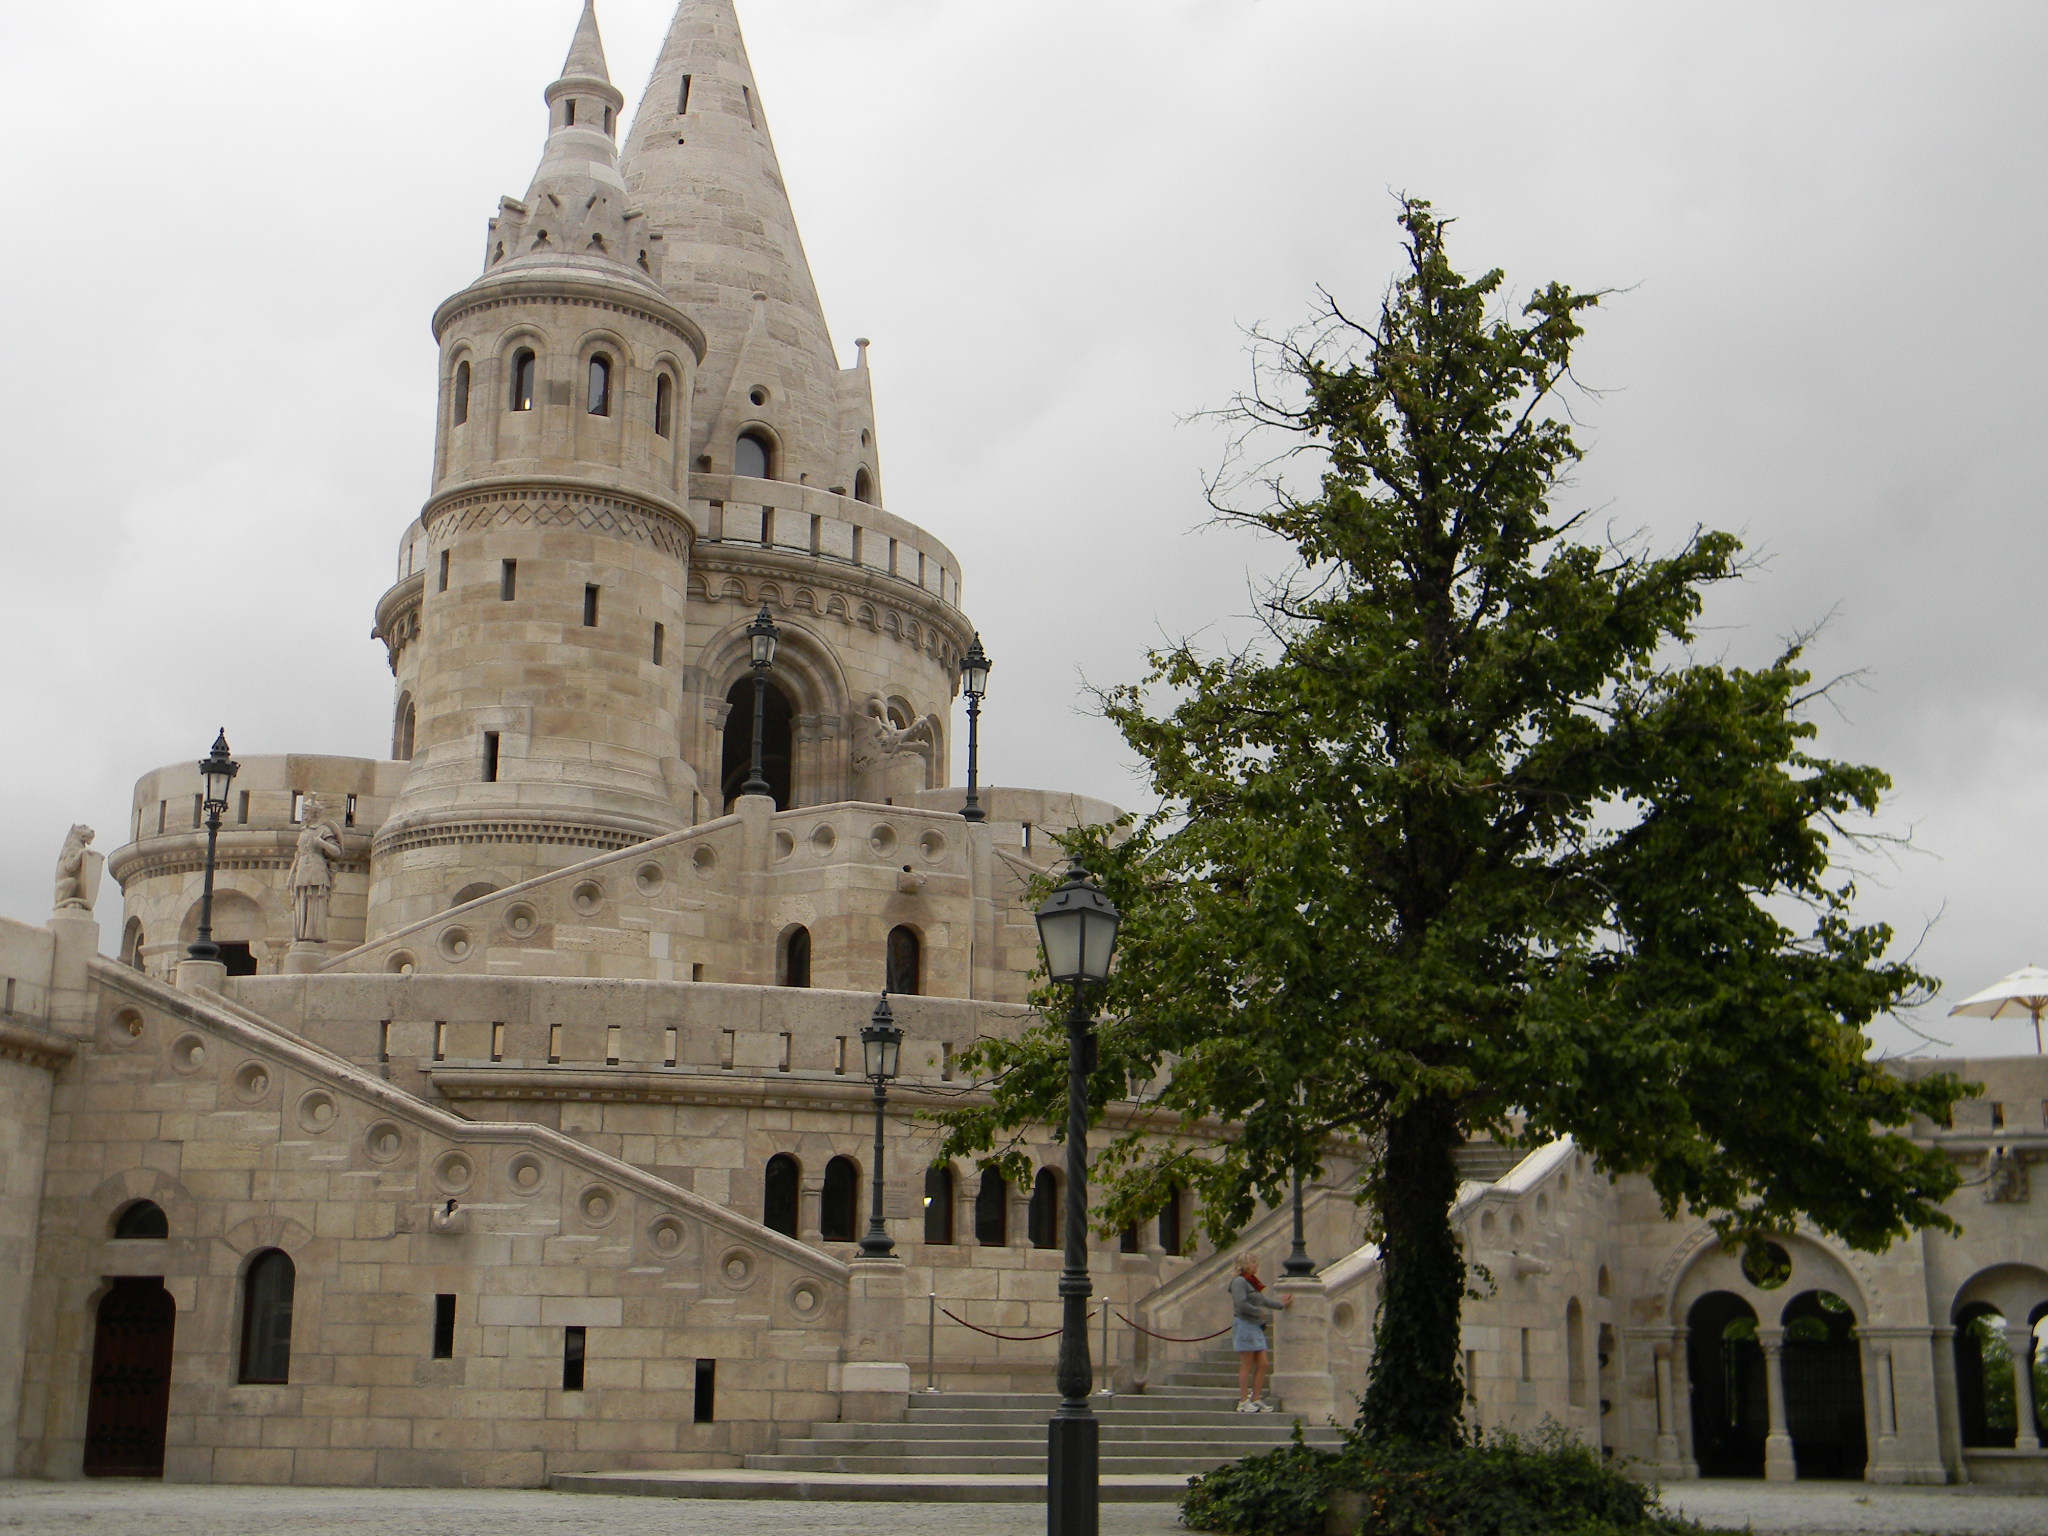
<point>863,485</point>
<point>458,407</point>
<point>600,385</point>
<point>992,1209</point>
<point>777,734</point>
<point>142,1218</point>
<point>267,1317</point>
<point>522,379</point>
<point>938,1203</point>
<point>1169,1221</point>
<point>779,1194</point>
<point>1576,1392</point>
<point>402,728</point>
<point>796,958</point>
<point>839,1210</point>
<point>905,962</point>
<point>752,456</point>
<point>1044,1224</point>
<point>664,405</point>
<point>131,943</point>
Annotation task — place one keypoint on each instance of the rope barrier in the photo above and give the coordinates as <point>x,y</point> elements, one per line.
<point>1012,1338</point>
<point>1200,1338</point>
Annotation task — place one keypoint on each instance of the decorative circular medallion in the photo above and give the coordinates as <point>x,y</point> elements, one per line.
<point>806,1299</point>
<point>454,1172</point>
<point>933,846</point>
<point>666,1235</point>
<point>525,1173</point>
<point>737,1268</point>
<point>823,839</point>
<point>188,1054</point>
<point>454,942</point>
<point>317,1111</point>
<point>704,858</point>
<point>598,1205</point>
<point>650,878</point>
<point>384,1141</point>
<point>252,1081</point>
<point>587,898</point>
<point>401,963</point>
<point>882,838</point>
<point>521,920</point>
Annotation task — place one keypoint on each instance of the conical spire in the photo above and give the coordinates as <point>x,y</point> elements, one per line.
<point>586,53</point>
<point>701,163</point>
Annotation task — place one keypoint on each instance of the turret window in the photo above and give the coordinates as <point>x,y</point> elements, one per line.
<point>600,385</point>
<point>458,412</point>
<point>664,406</point>
<point>863,485</point>
<point>751,456</point>
<point>683,97</point>
<point>522,379</point>
<point>569,113</point>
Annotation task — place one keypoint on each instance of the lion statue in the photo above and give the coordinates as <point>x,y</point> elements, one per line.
<point>71,892</point>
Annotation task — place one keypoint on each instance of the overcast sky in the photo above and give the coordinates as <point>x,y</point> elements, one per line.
<point>230,221</point>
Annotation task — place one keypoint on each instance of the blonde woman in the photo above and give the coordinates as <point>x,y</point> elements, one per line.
<point>1248,1308</point>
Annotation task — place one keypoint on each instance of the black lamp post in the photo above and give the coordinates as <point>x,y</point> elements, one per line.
<point>1077,930</point>
<point>974,683</point>
<point>762,636</point>
<point>217,771</point>
<point>1298,1265</point>
<point>881,1046</point>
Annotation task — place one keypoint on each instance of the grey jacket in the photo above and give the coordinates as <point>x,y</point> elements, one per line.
<point>1248,1305</point>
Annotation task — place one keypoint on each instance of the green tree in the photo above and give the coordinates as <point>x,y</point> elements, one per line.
<point>1469,842</point>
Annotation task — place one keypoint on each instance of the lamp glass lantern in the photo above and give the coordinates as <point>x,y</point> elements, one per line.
<point>974,671</point>
<point>762,637</point>
<point>1077,927</point>
<point>217,771</point>
<point>881,1044</point>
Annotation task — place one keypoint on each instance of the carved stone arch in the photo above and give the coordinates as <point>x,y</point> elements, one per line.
<point>2016,1290</point>
<point>521,333</point>
<point>808,672</point>
<point>1699,1265</point>
<point>804,600</point>
<point>732,587</point>
<point>835,607</point>
<point>865,616</point>
<point>894,624</point>
<point>699,589</point>
<point>771,594</point>
<point>251,1237</point>
<point>95,1214</point>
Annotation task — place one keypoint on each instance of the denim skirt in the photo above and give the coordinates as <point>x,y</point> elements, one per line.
<point>1247,1336</point>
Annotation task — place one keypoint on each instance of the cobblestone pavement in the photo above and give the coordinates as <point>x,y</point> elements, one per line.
<point>152,1509</point>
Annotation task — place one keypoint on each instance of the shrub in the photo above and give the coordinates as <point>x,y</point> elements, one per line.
<point>1502,1485</point>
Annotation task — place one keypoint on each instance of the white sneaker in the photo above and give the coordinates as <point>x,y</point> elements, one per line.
<point>1260,1405</point>
<point>1246,1405</point>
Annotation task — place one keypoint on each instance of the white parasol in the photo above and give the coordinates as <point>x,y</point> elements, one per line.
<point>2024,991</point>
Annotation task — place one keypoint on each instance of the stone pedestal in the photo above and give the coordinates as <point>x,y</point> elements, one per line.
<point>201,976</point>
<point>78,941</point>
<point>874,1380</point>
<point>1301,1353</point>
<point>304,958</point>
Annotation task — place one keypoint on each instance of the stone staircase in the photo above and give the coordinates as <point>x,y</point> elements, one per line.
<point>991,1446</point>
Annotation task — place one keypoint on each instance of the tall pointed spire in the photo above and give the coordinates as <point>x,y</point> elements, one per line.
<point>701,163</point>
<point>586,53</point>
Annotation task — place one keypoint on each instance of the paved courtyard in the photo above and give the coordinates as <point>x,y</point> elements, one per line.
<point>152,1509</point>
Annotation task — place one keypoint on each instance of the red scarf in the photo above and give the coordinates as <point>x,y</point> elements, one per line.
<point>1256,1283</point>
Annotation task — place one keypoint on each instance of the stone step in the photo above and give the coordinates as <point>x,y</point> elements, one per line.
<point>968,1466</point>
<point>1196,1398</point>
<point>1152,1440</point>
<point>854,1487</point>
<point>989,1421</point>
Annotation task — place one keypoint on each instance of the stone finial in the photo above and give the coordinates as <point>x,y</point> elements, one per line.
<point>586,52</point>
<point>78,870</point>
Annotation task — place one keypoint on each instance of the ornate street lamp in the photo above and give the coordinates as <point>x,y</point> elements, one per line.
<point>974,683</point>
<point>1077,931</point>
<point>881,1046</point>
<point>217,772</point>
<point>1298,1265</point>
<point>762,637</point>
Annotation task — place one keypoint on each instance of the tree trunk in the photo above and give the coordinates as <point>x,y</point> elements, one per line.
<point>1415,1392</point>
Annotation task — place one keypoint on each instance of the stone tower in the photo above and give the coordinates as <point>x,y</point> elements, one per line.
<point>644,435</point>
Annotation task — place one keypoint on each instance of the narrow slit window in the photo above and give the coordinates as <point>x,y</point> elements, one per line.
<point>600,385</point>
<point>704,1399</point>
<point>490,757</point>
<point>839,1061</point>
<point>458,408</point>
<point>683,97</point>
<point>590,607</point>
<point>497,1042</point>
<point>348,810</point>
<point>569,113</point>
<point>384,1041</point>
<point>298,807</point>
<point>522,379</point>
<point>609,121</point>
<point>242,809</point>
<point>440,1039</point>
<point>442,584</point>
<point>668,1046</point>
<point>747,95</point>
<point>198,810</point>
<point>728,1038</point>
<point>444,1327</point>
<point>573,1344</point>
<point>664,406</point>
<point>660,640</point>
<point>555,1043</point>
<point>788,1047</point>
<point>612,1034</point>
<point>508,580</point>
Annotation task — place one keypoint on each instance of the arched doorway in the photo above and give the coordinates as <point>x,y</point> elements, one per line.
<point>1731,1410</point>
<point>130,1402</point>
<point>776,738</point>
<point>1823,1372</point>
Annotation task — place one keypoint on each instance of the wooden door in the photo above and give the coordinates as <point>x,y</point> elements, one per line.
<point>131,1380</point>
